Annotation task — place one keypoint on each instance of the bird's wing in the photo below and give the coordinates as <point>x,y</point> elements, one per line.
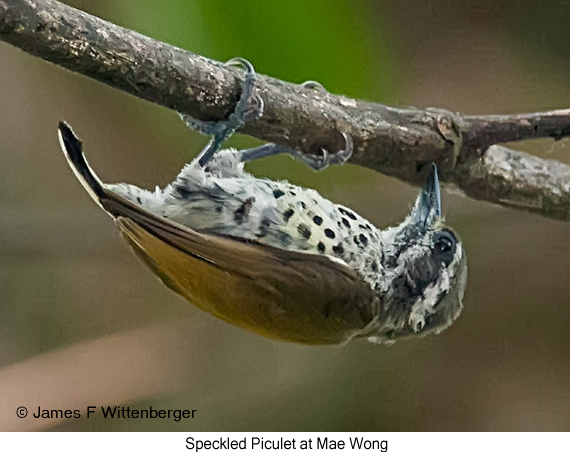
<point>286,295</point>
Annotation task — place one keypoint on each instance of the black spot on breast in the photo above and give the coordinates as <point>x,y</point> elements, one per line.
<point>242,212</point>
<point>139,200</point>
<point>348,213</point>
<point>278,193</point>
<point>263,228</point>
<point>374,266</point>
<point>346,222</point>
<point>218,209</point>
<point>288,214</point>
<point>330,233</point>
<point>317,220</point>
<point>356,240</point>
<point>292,193</point>
<point>304,230</point>
<point>363,239</point>
<point>338,249</point>
<point>285,239</point>
<point>303,205</point>
<point>321,247</point>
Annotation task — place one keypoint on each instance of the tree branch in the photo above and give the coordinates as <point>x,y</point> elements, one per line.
<point>396,142</point>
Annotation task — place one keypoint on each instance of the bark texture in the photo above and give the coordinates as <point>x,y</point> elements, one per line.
<point>394,141</point>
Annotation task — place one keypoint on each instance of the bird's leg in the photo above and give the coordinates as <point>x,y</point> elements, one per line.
<point>246,109</point>
<point>317,162</point>
<point>222,130</point>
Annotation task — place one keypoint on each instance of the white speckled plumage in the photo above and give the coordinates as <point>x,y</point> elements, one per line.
<point>223,199</point>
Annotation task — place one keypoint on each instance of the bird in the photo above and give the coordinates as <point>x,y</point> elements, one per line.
<point>278,259</point>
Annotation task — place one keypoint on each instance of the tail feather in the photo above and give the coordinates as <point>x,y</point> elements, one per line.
<point>73,149</point>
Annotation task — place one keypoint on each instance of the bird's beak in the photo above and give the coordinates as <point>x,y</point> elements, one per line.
<point>427,209</point>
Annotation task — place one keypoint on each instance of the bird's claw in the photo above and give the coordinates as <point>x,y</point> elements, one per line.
<point>314,85</point>
<point>248,107</point>
<point>320,162</point>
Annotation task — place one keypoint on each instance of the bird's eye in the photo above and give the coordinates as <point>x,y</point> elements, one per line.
<point>444,245</point>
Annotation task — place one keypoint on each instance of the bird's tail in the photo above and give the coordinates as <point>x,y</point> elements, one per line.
<point>107,196</point>
<point>73,149</point>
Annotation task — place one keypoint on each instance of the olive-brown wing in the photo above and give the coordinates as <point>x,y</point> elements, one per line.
<point>285,295</point>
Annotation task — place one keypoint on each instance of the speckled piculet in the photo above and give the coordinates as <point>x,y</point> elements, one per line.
<point>279,259</point>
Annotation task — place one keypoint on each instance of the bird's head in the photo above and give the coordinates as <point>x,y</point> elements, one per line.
<point>424,271</point>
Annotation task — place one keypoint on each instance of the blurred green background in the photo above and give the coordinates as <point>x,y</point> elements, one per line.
<point>82,322</point>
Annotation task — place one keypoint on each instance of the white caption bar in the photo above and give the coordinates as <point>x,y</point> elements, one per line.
<point>277,442</point>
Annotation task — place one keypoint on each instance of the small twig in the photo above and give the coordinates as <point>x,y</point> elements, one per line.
<point>483,131</point>
<point>397,142</point>
<point>519,180</point>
